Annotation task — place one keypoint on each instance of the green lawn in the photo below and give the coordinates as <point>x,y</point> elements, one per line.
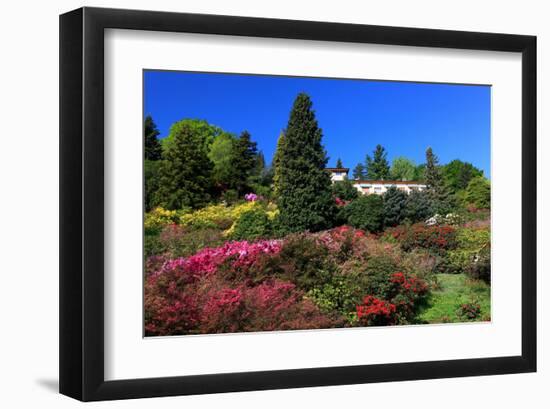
<point>454,290</point>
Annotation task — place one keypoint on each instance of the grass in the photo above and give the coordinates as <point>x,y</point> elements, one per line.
<point>454,290</point>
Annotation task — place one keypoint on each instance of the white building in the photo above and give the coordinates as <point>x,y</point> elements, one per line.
<point>378,187</point>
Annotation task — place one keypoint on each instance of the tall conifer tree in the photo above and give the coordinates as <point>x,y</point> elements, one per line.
<point>153,149</point>
<point>378,167</point>
<point>304,187</point>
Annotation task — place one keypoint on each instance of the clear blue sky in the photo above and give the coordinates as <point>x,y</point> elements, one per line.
<point>355,115</point>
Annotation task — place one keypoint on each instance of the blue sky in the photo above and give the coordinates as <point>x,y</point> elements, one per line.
<point>355,115</point>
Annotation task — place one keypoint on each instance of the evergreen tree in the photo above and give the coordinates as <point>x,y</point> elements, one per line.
<point>153,148</point>
<point>276,164</point>
<point>418,206</point>
<point>244,161</point>
<point>436,189</point>
<point>377,166</point>
<point>185,172</point>
<point>339,163</point>
<point>359,172</point>
<point>343,189</point>
<point>304,187</point>
<point>395,201</point>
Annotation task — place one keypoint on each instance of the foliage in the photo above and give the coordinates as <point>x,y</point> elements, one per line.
<point>436,238</point>
<point>339,163</point>
<point>157,218</point>
<point>402,169</point>
<point>252,225</point>
<point>395,206</point>
<point>205,133</point>
<point>367,213</point>
<point>436,189</point>
<point>152,146</point>
<point>185,170</point>
<point>178,241</point>
<point>359,172</point>
<point>375,311</point>
<point>304,187</point>
<point>377,166</point>
<point>151,170</point>
<point>344,190</point>
<point>217,216</point>
<point>478,193</point>
<point>244,161</point>
<point>341,295</point>
<point>277,163</point>
<point>221,155</point>
<point>457,174</point>
<point>418,206</point>
<point>454,290</point>
<point>469,311</point>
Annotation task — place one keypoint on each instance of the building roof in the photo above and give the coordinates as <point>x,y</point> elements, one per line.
<point>388,182</point>
<point>337,169</point>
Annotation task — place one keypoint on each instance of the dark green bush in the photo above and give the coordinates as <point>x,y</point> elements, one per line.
<point>252,225</point>
<point>344,190</point>
<point>366,213</point>
<point>394,206</point>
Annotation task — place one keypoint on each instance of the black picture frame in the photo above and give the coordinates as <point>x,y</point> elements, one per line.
<point>82,200</point>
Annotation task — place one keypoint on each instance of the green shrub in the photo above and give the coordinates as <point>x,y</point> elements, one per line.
<point>252,225</point>
<point>344,190</point>
<point>366,213</point>
<point>181,241</point>
<point>394,206</point>
<point>418,206</point>
<point>340,295</point>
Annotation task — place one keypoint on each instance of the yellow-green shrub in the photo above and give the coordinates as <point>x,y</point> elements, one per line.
<point>220,216</point>
<point>159,217</point>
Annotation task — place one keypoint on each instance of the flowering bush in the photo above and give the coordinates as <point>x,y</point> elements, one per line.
<point>469,311</point>
<point>218,216</point>
<point>240,254</point>
<point>436,238</point>
<point>178,241</point>
<point>375,311</point>
<point>272,305</point>
<point>157,218</point>
<point>251,197</point>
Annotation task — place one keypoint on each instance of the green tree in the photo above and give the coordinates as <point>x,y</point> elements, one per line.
<point>420,173</point>
<point>478,193</point>
<point>221,155</point>
<point>377,166</point>
<point>276,163</point>
<point>339,163</point>
<point>395,201</point>
<point>304,186</point>
<point>367,213</point>
<point>359,172</point>
<point>457,174</point>
<point>151,178</point>
<point>245,160</point>
<point>203,131</point>
<point>185,172</point>
<point>402,169</point>
<point>418,206</point>
<point>343,189</point>
<point>436,189</point>
<point>152,146</point>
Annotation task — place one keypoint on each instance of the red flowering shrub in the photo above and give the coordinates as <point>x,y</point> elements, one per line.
<point>435,237</point>
<point>270,306</point>
<point>469,311</point>
<point>375,311</point>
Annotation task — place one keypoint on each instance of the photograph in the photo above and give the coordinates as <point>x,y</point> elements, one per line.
<point>275,203</point>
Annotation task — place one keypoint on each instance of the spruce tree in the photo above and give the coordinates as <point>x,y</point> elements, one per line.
<point>304,187</point>
<point>435,186</point>
<point>395,201</point>
<point>377,166</point>
<point>276,164</point>
<point>359,172</point>
<point>185,173</point>
<point>153,149</point>
<point>339,163</point>
<point>244,161</point>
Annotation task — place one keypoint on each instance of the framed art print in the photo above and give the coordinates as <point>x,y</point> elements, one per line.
<point>254,204</point>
